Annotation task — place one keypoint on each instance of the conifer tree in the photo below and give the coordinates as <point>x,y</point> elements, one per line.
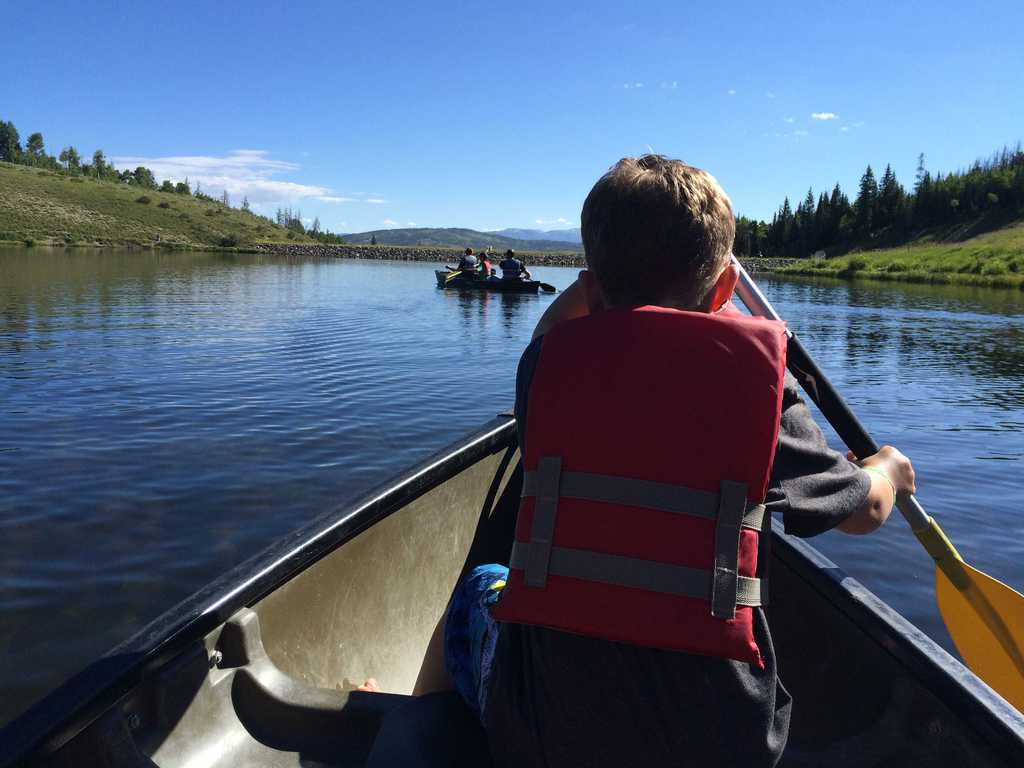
<point>34,147</point>
<point>867,199</point>
<point>890,197</point>
<point>10,143</point>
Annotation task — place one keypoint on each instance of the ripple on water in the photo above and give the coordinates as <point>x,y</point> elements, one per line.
<point>167,416</point>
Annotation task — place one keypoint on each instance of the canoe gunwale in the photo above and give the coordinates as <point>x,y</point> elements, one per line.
<point>959,689</point>
<point>83,699</point>
<point>67,710</point>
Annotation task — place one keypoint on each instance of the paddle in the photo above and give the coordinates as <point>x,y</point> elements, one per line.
<point>984,617</point>
<point>548,288</point>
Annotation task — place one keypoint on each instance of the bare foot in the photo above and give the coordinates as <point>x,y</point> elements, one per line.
<point>370,686</point>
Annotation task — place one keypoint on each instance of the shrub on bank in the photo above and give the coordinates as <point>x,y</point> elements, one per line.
<point>143,200</point>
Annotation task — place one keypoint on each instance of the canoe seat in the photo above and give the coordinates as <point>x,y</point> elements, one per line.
<point>268,718</point>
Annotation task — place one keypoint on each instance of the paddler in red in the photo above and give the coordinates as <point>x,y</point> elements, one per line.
<point>659,433</point>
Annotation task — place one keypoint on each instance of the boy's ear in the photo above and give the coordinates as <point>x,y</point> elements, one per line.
<point>591,292</point>
<point>722,290</point>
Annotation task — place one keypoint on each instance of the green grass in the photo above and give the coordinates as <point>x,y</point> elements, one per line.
<point>994,259</point>
<point>41,207</point>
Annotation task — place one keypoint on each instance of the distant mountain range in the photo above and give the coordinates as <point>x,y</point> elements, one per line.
<point>559,240</point>
<point>573,236</point>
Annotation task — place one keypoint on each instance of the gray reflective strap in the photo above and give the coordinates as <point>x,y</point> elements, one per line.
<point>549,470</point>
<point>754,517</point>
<point>632,572</point>
<point>732,503</point>
<point>630,492</point>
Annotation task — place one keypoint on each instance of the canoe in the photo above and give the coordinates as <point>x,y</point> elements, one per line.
<point>258,668</point>
<point>473,283</point>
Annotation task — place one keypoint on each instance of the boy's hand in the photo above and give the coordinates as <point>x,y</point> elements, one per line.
<point>894,464</point>
<point>892,476</point>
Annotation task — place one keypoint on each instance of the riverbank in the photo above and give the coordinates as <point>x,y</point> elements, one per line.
<point>41,207</point>
<point>994,260</point>
<point>451,255</point>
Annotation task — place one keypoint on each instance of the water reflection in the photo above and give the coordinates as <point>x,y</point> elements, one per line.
<point>492,312</point>
<point>165,415</point>
<point>939,372</point>
<point>958,339</point>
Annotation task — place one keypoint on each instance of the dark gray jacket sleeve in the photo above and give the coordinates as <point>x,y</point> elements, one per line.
<point>812,486</point>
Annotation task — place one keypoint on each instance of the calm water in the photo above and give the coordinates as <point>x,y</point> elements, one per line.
<point>165,416</point>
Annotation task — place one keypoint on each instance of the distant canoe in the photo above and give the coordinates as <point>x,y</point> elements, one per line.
<point>471,282</point>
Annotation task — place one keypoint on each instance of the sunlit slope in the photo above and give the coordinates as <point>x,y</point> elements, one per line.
<point>994,258</point>
<point>42,206</point>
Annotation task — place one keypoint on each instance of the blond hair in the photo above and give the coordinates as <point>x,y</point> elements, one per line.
<point>657,231</point>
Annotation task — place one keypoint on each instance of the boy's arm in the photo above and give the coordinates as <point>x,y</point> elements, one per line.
<point>572,302</point>
<point>891,476</point>
<point>817,489</point>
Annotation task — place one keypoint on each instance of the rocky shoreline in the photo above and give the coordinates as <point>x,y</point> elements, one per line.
<point>451,255</point>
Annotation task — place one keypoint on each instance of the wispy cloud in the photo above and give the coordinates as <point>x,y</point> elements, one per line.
<point>858,124</point>
<point>769,94</point>
<point>799,132</point>
<point>824,116</point>
<point>548,222</point>
<point>410,224</point>
<point>375,200</point>
<point>788,120</point>
<point>389,223</point>
<point>250,173</point>
<point>627,86</point>
<point>844,129</point>
<point>731,91</point>
<point>670,85</point>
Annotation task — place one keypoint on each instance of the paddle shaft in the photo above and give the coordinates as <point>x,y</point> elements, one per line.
<point>817,386</point>
<point>976,589</point>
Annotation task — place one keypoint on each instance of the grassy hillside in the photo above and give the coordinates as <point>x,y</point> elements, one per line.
<point>995,259</point>
<point>456,238</point>
<point>41,206</point>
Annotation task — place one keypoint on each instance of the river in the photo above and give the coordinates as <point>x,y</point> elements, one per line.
<point>165,416</point>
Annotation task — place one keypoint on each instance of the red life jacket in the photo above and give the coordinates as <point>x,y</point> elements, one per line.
<point>650,435</point>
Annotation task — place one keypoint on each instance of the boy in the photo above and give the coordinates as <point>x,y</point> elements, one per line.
<point>658,435</point>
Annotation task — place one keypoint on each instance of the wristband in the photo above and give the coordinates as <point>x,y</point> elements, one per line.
<point>885,476</point>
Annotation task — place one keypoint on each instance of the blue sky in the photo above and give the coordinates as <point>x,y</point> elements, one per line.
<point>492,115</point>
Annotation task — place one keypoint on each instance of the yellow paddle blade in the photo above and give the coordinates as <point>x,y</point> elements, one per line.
<point>986,621</point>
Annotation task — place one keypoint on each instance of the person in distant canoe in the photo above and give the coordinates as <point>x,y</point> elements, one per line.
<point>513,268</point>
<point>659,432</point>
<point>469,262</point>
<point>485,266</point>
